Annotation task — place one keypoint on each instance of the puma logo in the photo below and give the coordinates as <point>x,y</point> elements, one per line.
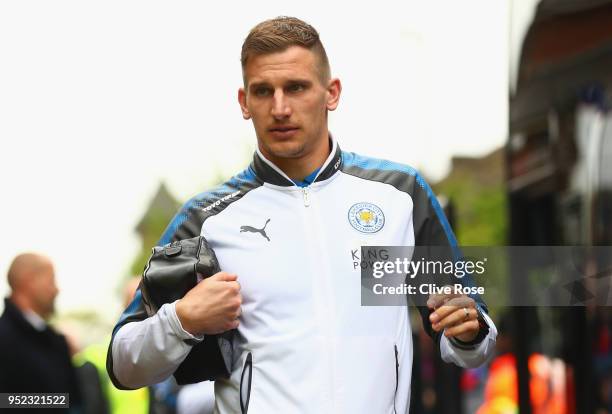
<point>251,229</point>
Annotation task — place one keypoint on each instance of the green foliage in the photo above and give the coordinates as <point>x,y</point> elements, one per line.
<point>159,215</point>
<point>152,227</point>
<point>481,217</point>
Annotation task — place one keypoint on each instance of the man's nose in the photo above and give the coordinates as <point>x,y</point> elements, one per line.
<point>52,287</point>
<point>280,105</point>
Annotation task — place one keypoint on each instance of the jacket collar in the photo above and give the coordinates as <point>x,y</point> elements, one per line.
<point>270,173</point>
<point>13,313</point>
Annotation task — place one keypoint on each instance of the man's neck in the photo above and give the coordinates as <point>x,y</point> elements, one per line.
<point>35,320</point>
<point>299,168</point>
<point>29,314</point>
<point>23,303</point>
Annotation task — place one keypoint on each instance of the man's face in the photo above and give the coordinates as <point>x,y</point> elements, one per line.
<point>288,101</point>
<point>43,291</point>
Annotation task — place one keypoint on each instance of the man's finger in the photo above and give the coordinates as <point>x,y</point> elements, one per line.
<point>464,328</point>
<point>456,317</point>
<point>451,306</point>
<point>224,277</point>
<point>233,288</point>
<point>462,300</point>
<point>437,300</point>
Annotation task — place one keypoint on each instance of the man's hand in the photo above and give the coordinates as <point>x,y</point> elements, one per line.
<point>456,315</point>
<point>212,306</point>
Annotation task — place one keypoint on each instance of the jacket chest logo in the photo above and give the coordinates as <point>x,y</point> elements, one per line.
<point>252,229</point>
<point>366,217</point>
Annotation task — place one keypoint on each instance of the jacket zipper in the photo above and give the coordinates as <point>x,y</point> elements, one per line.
<point>325,309</point>
<point>306,196</point>
<point>396,377</point>
<point>248,364</point>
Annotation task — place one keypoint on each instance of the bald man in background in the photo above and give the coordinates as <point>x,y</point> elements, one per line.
<point>33,357</point>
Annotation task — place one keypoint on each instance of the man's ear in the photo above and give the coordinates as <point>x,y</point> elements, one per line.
<point>334,88</point>
<point>242,101</point>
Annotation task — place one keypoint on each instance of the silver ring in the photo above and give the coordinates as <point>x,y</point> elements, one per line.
<point>467,314</point>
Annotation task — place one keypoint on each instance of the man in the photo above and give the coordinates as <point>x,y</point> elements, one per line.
<point>283,231</point>
<point>33,357</point>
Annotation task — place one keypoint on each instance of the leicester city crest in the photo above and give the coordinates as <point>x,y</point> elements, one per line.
<point>366,217</point>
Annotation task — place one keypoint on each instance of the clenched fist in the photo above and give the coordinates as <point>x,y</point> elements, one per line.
<point>212,306</point>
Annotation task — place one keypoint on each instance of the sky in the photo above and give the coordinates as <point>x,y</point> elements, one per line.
<point>100,101</point>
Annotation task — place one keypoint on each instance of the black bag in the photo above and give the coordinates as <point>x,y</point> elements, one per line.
<point>173,270</point>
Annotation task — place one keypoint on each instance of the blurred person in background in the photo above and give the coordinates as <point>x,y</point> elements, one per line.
<point>100,394</point>
<point>34,358</point>
<point>102,397</point>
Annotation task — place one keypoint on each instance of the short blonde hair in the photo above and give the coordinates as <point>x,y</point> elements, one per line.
<point>277,35</point>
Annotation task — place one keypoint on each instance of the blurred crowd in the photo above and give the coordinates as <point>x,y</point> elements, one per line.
<point>36,357</point>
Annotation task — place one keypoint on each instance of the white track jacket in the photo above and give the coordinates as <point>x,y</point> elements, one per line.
<point>305,344</point>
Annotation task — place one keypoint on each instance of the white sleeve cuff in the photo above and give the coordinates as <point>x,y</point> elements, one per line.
<point>177,328</point>
<point>470,358</point>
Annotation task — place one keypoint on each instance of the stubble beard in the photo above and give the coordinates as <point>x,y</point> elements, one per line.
<point>284,150</point>
<point>47,309</point>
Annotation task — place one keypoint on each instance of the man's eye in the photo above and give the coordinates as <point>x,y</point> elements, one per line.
<point>262,92</point>
<point>296,87</point>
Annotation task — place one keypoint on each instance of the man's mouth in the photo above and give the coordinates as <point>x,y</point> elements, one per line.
<point>283,128</point>
<point>283,132</point>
